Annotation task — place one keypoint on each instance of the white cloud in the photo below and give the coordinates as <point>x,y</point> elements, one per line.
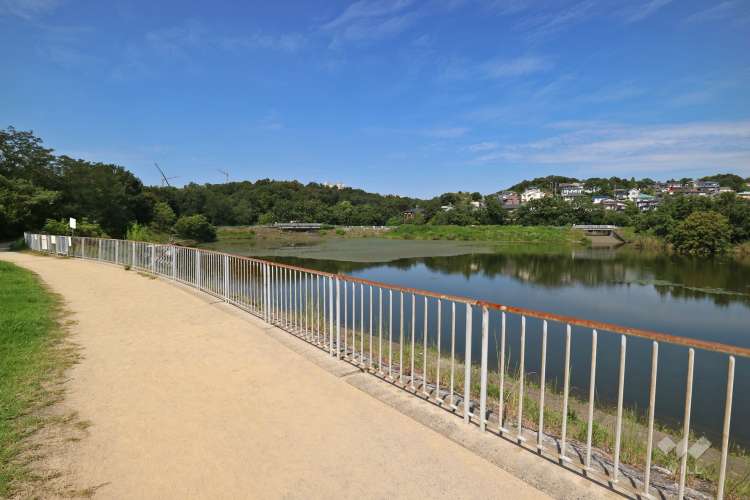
<point>177,41</point>
<point>715,13</point>
<point>367,20</point>
<point>541,26</point>
<point>289,42</point>
<point>27,9</point>
<point>622,148</point>
<point>366,9</point>
<point>509,7</point>
<point>620,92</point>
<point>446,133</point>
<point>646,9</point>
<point>482,146</point>
<point>515,67</point>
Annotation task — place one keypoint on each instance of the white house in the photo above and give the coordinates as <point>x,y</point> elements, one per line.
<point>532,194</point>
<point>634,194</point>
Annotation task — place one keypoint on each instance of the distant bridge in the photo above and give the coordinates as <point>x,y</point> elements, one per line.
<point>599,230</point>
<point>298,226</point>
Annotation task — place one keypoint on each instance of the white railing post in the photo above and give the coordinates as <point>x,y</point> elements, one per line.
<point>198,269</point>
<point>330,315</point>
<point>117,251</point>
<point>226,278</point>
<point>153,259</point>
<point>99,255</point>
<point>266,293</point>
<point>338,319</point>
<point>174,262</point>
<point>483,369</point>
<point>83,248</point>
<point>467,366</point>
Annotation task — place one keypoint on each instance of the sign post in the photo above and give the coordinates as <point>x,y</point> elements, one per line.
<point>72,223</point>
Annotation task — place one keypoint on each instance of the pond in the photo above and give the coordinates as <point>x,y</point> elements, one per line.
<point>700,299</point>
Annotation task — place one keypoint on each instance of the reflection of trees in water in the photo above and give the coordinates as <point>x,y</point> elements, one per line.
<point>722,281</point>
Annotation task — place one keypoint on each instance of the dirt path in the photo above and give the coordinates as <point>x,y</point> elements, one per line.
<point>187,400</point>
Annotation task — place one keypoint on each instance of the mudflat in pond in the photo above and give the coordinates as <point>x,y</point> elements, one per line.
<point>371,250</point>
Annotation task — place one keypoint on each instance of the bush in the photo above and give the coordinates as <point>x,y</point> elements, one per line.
<point>164,217</point>
<point>702,234</point>
<point>140,232</point>
<point>266,218</point>
<point>195,227</point>
<point>18,245</point>
<point>395,221</point>
<point>84,228</point>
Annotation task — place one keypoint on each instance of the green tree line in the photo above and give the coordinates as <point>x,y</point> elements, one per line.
<point>39,188</point>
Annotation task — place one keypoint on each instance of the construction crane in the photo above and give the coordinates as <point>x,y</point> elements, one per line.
<point>225,174</point>
<point>164,178</point>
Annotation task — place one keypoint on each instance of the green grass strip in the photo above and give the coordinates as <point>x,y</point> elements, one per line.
<point>32,359</point>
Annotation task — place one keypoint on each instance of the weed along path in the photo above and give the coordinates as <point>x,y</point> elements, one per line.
<point>188,399</point>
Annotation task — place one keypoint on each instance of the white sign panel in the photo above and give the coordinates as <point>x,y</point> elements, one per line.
<point>72,223</point>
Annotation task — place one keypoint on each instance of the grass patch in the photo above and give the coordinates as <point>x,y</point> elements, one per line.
<point>499,234</point>
<point>33,357</point>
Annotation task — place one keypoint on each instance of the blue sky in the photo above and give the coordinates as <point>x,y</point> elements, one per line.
<point>394,96</point>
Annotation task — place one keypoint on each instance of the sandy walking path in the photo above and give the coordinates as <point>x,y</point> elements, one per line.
<point>188,400</point>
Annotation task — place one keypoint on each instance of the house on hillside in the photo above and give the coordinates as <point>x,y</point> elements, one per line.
<point>532,194</point>
<point>675,187</point>
<point>620,194</point>
<point>476,205</point>
<point>509,200</point>
<point>744,195</point>
<point>599,199</point>
<point>410,213</point>
<point>571,191</point>
<point>633,194</point>
<point>646,202</point>
<point>614,205</point>
<point>706,188</point>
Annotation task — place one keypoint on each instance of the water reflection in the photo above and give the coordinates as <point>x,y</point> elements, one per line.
<point>721,281</point>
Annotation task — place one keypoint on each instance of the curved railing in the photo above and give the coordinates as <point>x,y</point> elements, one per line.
<point>418,340</point>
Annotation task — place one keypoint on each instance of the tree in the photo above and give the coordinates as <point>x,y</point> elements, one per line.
<point>23,205</point>
<point>164,217</point>
<point>107,194</point>
<point>546,212</point>
<point>456,217</point>
<point>195,227</point>
<point>493,213</point>
<point>702,234</point>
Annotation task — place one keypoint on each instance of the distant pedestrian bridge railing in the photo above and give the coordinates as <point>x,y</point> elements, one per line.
<point>595,227</point>
<point>612,402</point>
<point>298,226</point>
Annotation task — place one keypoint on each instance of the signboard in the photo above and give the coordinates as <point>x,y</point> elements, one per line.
<point>72,223</point>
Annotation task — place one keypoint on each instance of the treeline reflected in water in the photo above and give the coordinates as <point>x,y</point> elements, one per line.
<point>722,281</point>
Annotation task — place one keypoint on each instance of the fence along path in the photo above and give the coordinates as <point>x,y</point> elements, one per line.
<point>375,326</point>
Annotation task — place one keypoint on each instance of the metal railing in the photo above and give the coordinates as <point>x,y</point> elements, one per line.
<point>438,347</point>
